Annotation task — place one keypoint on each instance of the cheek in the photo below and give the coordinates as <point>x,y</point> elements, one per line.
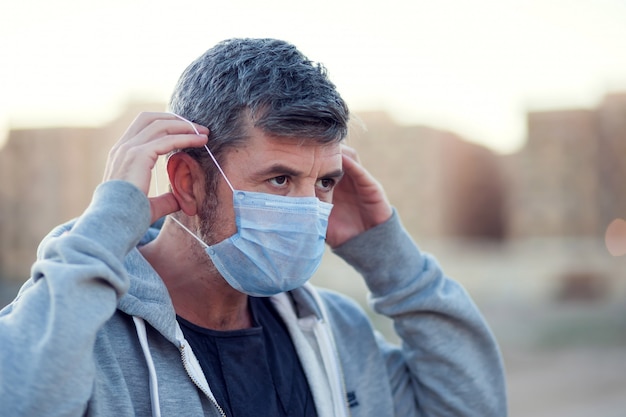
<point>225,219</point>
<point>218,218</point>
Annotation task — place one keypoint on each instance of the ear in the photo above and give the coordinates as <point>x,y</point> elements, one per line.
<point>186,179</point>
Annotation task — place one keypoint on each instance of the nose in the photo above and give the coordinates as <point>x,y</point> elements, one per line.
<point>304,190</point>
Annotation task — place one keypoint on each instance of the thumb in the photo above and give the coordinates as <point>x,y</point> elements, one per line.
<point>163,205</point>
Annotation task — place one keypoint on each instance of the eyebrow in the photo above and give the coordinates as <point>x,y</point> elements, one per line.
<point>279,169</point>
<point>336,175</point>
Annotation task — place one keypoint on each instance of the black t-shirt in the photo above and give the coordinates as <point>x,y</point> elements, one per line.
<point>255,371</point>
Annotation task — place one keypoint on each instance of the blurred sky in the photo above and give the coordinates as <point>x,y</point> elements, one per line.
<point>471,66</point>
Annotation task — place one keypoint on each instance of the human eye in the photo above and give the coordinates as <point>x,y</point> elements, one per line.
<point>279,181</point>
<point>325,184</point>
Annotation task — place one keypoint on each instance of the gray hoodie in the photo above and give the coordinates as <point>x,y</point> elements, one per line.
<point>94,332</point>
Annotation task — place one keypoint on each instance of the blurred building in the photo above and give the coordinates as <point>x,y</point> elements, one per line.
<point>612,163</point>
<point>567,181</point>
<point>48,177</point>
<point>442,185</point>
<point>570,178</point>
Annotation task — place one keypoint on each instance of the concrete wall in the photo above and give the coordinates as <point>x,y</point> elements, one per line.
<point>567,182</point>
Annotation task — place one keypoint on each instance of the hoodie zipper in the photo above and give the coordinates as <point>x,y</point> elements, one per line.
<point>317,325</point>
<point>323,336</point>
<point>184,359</point>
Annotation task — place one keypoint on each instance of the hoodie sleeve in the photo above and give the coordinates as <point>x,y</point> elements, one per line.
<point>449,363</point>
<point>48,333</point>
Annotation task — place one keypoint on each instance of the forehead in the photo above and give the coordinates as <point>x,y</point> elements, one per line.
<point>261,148</point>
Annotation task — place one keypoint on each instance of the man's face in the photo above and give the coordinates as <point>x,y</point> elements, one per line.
<point>275,165</point>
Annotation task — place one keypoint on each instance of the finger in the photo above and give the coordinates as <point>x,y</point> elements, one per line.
<point>151,150</point>
<point>368,189</point>
<point>160,128</point>
<point>134,163</point>
<point>163,205</point>
<point>356,171</point>
<point>145,119</point>
<point>351,152</point>
<point>142,120</point>
<point>151,126</point>
<point>166,144</point>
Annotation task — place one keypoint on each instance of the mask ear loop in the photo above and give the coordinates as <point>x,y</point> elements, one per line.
<point>209,151</point>
<point>189,231</point>
<point>218,167</point>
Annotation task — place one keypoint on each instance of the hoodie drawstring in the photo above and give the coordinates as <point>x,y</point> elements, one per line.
<point>140,326</point>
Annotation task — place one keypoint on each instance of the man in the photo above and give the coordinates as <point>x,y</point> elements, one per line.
<point>211,314</point>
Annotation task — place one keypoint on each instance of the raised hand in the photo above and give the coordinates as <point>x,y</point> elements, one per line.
<point>359,202</point>
<point>135,154</point>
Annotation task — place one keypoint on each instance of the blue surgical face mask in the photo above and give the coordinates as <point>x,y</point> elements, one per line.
<point>278,245</point>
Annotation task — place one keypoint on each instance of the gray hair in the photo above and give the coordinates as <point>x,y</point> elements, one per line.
<point>267,83</point>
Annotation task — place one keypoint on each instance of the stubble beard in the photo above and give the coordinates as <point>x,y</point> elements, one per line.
<point>208,229</point>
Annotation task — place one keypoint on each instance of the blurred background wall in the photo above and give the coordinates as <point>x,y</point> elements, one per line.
<point>561,190</point>
<point>497,127</point>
